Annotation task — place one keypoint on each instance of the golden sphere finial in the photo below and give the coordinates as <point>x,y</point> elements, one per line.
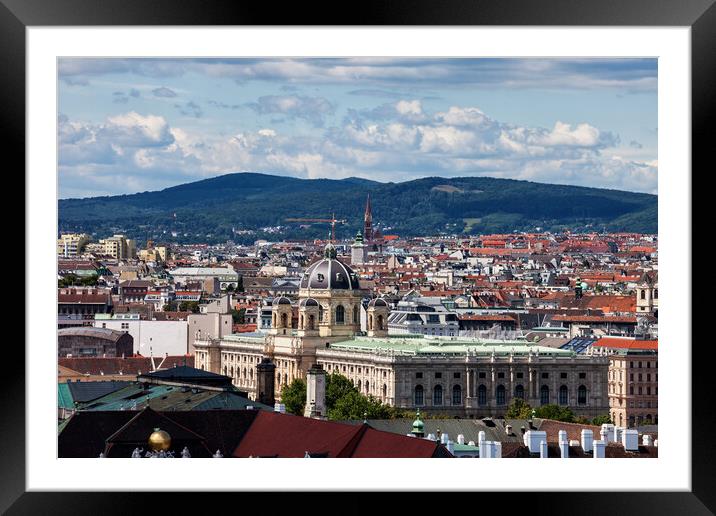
<point>160,440</point>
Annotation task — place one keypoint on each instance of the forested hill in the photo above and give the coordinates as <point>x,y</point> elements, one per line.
<point>240,206</point>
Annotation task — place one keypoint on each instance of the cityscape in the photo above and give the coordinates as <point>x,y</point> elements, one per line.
<point>342,313</point>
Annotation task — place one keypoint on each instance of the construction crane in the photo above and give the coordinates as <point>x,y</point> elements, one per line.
<point>332,221</point>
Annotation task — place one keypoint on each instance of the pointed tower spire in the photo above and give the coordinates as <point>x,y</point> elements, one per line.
<point>368,221</point>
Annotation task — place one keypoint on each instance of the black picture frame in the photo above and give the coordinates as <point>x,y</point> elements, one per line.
<point>699,15</point>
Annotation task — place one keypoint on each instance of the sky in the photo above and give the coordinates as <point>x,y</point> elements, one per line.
<point>133,125</point>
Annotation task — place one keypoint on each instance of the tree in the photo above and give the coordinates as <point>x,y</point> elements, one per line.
<point>238,316</point>
<point>555,412</point>
<point>337,387</point>
<point>189,306</point>
<point>600,420</point>
<point>343,400</point>
<point>293,396</point>
<point>519,409</point>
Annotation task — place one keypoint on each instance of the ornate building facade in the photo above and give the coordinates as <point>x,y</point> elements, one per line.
<point>451,375</point>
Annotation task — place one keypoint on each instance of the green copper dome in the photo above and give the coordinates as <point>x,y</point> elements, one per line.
<point>330,252</point>
<point>418,425</point>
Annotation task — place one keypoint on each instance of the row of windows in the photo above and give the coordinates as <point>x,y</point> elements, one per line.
<point>501,375</point>
<point>639,364</point>
<point>500,395</point>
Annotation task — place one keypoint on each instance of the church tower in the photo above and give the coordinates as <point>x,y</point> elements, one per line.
<point>368,221</point>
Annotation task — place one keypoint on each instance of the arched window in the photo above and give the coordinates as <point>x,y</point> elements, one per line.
<point>380,322</point>
<point>284,320</point>
<point>544,395</point>
<point>500,394</point>
<point>367,387</point>
<point>582,395</point>
<point>419,395</point>
<point>359,384</point>
<point>244,373</point>
<point>385,391</point>
<point>520,391</point>
<point>456,395</point>
<point>311,322</point>
<point>285,379</point>
<point>482,395</point>
<point>321,313</point>
<point>356,315</point>
<point>438,395</point>
<point>563,395</point>
<point>370,322</point>
<point>340,314</point>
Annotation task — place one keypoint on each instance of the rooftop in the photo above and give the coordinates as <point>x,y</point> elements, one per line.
<point>446,345</point>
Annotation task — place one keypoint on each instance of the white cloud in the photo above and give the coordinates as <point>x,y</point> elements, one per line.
<point>409,107</point>
<point>145,150</point>
<point>584,135</point>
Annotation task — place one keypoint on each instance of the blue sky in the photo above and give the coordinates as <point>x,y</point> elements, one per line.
<point>129,125</point>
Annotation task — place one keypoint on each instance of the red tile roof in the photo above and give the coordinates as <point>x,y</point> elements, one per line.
<point>626,343</point>
<point>284,435</point>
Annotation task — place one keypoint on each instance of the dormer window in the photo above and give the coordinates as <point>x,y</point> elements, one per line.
<point>320,277</point>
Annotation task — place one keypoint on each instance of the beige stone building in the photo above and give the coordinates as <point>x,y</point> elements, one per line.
<point>119,247</point>
<point>70,245</point>
<point>451,375</point>
<point>633,380</point>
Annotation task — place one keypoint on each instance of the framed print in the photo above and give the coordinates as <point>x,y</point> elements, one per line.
<point>367,239</point>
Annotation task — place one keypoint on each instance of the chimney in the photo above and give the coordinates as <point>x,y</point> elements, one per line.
<point>543,450</point>
<point>444,438</point>
<point>508,429</point>
<point>599,449</point>
<point>460,439</point>
<point>587,440</point>
<point>563,444</point>
<point>265,377</point>
<point>533,438</point>
<point>480,437</point>
<point>451,447</point>
<point>315,392</point>
<point>646,440</point>
<point>630,439</point>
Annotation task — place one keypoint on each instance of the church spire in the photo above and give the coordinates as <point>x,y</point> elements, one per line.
<point>368,221</point>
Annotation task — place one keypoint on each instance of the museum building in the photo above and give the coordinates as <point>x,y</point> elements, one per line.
<point>455,376</point>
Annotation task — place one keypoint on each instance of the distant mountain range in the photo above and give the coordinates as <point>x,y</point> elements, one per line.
<point>244,206</point>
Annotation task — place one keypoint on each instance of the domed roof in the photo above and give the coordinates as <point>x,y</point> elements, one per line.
<point>308,302</point>
<point>418,424</point>
<point>330,274</point>
<point>377,302</point>
<point>283,300</point>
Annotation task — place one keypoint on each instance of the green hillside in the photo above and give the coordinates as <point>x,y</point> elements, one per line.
<point>213,210</point>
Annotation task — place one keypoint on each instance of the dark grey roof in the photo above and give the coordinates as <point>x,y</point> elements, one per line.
<point>308,302</point>
<point>187,374</point>
<point>90,331</point>
<point>283,300</point>
<point>330,273</point>
<point>88,391</point>
<point>378,302</point>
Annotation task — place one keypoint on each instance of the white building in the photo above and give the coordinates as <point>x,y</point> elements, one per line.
<point>155,338</point>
